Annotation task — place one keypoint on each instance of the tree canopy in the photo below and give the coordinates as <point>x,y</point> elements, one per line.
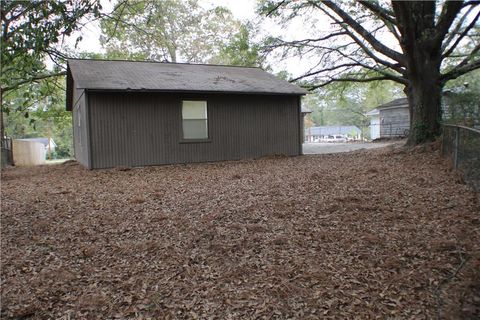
<point>31,31</point>
<point>241,50</point>
<point>169,30</point>
<point>419,44</point>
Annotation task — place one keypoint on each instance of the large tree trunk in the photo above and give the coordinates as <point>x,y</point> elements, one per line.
<point>424,95</point>
<point>423,53</point>
<point>424,90</point>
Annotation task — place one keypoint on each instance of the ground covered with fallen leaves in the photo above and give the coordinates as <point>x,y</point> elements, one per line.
<point>388,233</point>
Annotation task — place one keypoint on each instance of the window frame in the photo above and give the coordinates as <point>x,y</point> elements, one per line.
<point>191,140</point>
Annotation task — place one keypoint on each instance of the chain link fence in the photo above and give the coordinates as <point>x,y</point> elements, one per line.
<point>386,130</point>
<point>462,145</point>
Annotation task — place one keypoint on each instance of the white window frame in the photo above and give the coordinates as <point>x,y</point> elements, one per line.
<point>205,118</point>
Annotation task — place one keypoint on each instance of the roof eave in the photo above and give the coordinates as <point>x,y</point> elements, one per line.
<point>196,91</point>
<point>393,107</point>
<point>373,112</point>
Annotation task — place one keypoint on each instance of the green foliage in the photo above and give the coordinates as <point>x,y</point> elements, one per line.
<point>346,103</point>
<point>284,75</point>
<point>37,113</point>
<point>168,30</point>
<point>241,50</point>
<point>419,132</point>
<point>31,31</point>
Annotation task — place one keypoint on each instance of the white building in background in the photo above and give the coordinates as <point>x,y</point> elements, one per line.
<point>390,120</point>
<point>49,144</point>
<point>374,123</point>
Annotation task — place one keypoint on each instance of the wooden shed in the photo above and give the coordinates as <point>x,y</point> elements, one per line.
<point>390,120</point>
<point>149,113</point>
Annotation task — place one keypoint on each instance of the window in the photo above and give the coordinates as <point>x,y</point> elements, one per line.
<point>194,120</point>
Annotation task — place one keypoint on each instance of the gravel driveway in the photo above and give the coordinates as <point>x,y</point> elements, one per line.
<point>322,148</point>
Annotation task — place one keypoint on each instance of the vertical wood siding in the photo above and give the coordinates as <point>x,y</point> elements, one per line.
<point>137,129</point>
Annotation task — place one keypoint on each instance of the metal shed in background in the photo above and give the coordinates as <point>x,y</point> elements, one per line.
<point>148,113</point>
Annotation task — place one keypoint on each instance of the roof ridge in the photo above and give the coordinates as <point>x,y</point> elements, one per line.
<point>165,62</point>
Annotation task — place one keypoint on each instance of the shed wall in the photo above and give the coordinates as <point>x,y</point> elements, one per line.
<point>395,122</point>
<point>28,153</point>
<point>137,129</point>
<point>80,127</point>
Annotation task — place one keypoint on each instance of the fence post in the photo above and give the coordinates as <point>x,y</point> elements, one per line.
<point>455,147</point>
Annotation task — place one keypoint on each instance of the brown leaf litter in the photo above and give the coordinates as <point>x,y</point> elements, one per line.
<point>373,234</point>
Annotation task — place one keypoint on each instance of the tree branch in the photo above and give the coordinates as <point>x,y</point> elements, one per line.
<point>33,79</point>
<point>457,72</point>
<point>275,8</point>
<point>365,49</point>
<point>122,4</point>
<point>313,73</point>
<point>462,35</point>
<point>354,63</point>
<point>449,12</point>
<point>377,45</point>
<point>469,3</point>
<point>379,11</point>
<point>456,30</point>
<point>347,79</point>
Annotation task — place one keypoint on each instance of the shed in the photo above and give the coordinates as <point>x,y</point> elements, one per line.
<point>28,152</point>
<point>150,113</point>
<point>390,120</point>
<point>48,143</point>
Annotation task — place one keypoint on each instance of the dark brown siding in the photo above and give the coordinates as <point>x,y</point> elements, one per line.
<point>137,129</point>
<point>79,118</point>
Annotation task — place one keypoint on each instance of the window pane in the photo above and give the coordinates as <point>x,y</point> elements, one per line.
<point>194,115</point>
<point>195,129</point>
<point>194,110</point>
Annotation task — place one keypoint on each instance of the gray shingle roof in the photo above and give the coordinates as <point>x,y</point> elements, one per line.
<point>401,102</point>
<point>157,76</point>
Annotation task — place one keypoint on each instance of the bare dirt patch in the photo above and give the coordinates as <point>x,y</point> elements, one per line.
<point>378,234</point>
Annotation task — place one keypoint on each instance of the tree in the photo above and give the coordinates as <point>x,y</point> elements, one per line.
<point>241,50</point>
<point>167,30</point>
<point>461,100</point>
<point>38,110</point>
<point>345,103</point>
<point>30,32</point>
<point>419,44</point>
